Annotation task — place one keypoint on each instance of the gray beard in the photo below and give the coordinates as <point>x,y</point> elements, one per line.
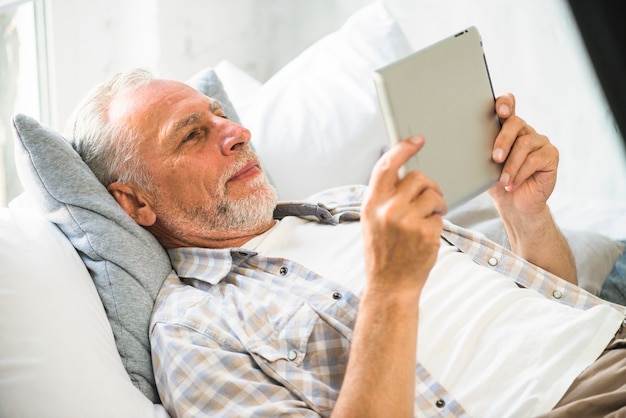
<point>224,216</point>
<point>243,215</point>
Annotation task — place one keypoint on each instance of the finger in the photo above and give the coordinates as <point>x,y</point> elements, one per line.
<point>511,129</point>
<point>526,170</point>
<point>430,203</point>
<point>385,173</point>
<point>422,192</point>
<point>505,105</point>
<point>532,153</point>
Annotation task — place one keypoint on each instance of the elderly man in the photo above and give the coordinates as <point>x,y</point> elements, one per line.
<point>260,317</point>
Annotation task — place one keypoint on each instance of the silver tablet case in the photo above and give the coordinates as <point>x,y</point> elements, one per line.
<point>444,93</point>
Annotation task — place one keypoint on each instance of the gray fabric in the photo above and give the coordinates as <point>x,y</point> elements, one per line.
<point>208,83</point>
<point>125,261</point>
<point>614,287</point>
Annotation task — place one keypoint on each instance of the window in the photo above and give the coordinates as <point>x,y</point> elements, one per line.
<point>23,80</point>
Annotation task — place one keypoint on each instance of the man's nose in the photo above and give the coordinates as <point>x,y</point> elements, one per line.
<point>235,136</point>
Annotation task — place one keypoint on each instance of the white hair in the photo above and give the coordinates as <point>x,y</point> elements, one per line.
<point>110,151</point>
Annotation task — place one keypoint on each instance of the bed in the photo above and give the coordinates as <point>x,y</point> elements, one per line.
<point>78,277</point>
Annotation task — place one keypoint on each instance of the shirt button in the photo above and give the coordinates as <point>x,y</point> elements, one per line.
<point>293,354</point>
<point>492,261</point>
<point>557,294</point>
<point>283,271</point>
<point>440,403</point>
<point>337,295</point>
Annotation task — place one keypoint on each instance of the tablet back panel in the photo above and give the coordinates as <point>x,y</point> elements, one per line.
<point>444,93</point>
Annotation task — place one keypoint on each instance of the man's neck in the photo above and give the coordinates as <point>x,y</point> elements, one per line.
<point>216,240</point>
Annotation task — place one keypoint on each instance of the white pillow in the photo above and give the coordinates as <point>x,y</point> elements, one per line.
<point>237,83</point>
<point>316,123</point>
<point>58,355</point>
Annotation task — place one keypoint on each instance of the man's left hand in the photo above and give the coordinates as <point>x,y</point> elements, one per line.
<point>529,160</point>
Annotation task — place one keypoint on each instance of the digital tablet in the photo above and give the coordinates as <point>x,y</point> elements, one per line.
<point>444,93</point>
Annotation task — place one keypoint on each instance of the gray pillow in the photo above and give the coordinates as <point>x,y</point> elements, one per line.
<point>126,262</point>
<point>208,83</point>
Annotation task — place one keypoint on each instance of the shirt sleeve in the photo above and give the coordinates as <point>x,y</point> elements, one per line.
<point>196,377</point>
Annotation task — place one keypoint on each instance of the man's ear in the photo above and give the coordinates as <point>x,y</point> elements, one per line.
<point>134,201</point>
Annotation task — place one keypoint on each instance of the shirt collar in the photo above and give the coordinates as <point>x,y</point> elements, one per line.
<point>208,265</point>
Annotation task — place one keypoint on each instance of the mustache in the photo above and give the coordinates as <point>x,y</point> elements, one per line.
<point>245,156</point>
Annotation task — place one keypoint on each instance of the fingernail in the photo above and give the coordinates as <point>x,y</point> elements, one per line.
<point>498,155</point>
<point>418,140</point>
<point>504,179</point>
<point>504,110</point>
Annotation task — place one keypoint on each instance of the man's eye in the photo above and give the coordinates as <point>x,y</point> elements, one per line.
<point>191,136</point>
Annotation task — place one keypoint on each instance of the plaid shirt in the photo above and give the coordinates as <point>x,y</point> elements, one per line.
<point>234,333</point>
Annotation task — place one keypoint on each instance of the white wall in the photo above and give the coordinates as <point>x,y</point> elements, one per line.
<point>90,40</point>
<point>532,48</point>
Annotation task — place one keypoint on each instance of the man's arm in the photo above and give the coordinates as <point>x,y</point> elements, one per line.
<point>402,223</point>
<point>538,239</point>
<point>528,178</point>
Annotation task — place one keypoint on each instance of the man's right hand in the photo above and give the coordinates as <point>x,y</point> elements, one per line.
<point>402,222</point>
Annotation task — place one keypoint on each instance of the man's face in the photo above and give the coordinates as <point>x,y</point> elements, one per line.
<point>208,186</point>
